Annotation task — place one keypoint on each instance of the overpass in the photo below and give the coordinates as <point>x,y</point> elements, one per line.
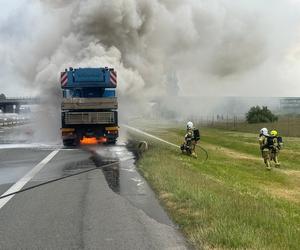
<point>13,104</point>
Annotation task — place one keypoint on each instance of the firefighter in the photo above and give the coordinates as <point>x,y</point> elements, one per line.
<point>191,139</point>
<point>264,146</point>
<point>275,147</point>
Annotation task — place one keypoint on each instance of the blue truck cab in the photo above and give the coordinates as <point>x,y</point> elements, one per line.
<point>89,105</point>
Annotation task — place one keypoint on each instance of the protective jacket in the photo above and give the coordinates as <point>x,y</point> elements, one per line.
<point>277,143</point>
<point>270,142</point>
<point>189,134</point>
<point>263,142</point>
<point>265,151</point>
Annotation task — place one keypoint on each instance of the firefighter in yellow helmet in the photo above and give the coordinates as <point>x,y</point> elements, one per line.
<point>275,147</point>
<point>264,147</point>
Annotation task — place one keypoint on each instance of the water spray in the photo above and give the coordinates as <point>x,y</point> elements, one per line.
<point>162,140</point>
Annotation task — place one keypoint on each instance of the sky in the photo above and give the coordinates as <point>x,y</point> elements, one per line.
<point>213,47</point>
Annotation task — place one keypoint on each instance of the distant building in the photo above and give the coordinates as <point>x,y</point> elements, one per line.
<point>290,105</point>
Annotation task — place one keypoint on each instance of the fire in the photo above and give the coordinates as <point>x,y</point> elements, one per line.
<point>88,140</point>
<point>102,140</point>
<point>92,140</point>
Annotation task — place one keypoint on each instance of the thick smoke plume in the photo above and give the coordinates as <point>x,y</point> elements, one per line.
<point>214,48</point>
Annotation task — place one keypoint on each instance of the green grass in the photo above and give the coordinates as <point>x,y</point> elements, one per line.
<point>230,201</point>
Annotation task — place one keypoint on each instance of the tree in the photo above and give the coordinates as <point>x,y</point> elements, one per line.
<point>260,115</point>
<point>2,96</point>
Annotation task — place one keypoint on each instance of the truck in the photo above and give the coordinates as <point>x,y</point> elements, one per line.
<point>89,106</point>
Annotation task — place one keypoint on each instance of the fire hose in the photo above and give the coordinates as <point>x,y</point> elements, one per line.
<point>164,141</point>
<point>205,151</point>
<point>60,178</point>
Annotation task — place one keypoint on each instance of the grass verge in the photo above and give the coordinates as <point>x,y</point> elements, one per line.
<point>230,201</point>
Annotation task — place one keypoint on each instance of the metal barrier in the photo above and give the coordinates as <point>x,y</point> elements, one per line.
<point>11,123</point>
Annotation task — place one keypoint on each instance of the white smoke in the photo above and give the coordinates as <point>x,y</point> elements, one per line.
<point>215,47</point>
<point>211,45</point>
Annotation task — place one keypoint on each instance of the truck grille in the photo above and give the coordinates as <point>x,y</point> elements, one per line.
<point>89,118</point>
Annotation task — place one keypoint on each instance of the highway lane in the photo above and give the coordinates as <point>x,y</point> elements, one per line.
<point>110,209</point>
<point>16,162</point>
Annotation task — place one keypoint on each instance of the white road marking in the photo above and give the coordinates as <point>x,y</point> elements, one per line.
<point>70,149</point>
<point>26,178</point>
<point>149,135</point>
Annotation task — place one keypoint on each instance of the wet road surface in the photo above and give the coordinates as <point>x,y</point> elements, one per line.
<point>109,208</point>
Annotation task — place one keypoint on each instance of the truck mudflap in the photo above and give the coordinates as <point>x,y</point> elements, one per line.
<point>69,136</point>
<point>68,133</point>
<point>112,133</point>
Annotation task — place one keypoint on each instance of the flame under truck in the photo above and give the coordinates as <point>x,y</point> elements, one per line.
<point>89,105</point>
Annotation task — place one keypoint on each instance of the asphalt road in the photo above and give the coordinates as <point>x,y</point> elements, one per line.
<point>110,208</point>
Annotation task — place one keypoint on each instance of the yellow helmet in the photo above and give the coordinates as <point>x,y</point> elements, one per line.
<point>274,133</point>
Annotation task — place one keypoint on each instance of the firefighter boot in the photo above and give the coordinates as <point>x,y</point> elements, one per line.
<point>194,155</point>
<point>268,164</point>
<point>277,163</point>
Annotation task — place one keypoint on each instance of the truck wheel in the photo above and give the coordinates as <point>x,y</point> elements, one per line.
<point>68,143</point>
<point>112,142</point>
<point>76,142</point>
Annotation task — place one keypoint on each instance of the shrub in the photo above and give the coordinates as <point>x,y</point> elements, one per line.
<point>260,115</point>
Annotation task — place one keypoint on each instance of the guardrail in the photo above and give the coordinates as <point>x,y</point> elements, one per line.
<point>20,98</point>
<point>12,123</point>
<point>9,100</point>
